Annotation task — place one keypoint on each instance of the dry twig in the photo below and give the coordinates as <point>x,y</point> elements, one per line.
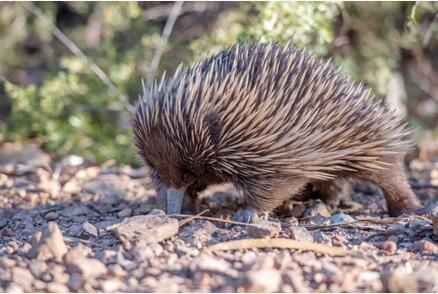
<point>189,219</point>
<point>282,243</point>
<point>78,52</point>
<point>174,13</point>
<point>213,219</point>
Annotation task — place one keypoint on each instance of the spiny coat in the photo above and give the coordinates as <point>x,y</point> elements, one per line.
<point>270,119</point>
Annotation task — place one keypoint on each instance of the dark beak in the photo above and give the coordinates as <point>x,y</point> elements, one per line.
<point>174,200</point>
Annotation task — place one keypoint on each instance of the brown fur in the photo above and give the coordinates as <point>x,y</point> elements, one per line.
<point>270,120</point>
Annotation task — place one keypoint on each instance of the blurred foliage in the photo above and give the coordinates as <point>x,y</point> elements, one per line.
<point>51,96</point>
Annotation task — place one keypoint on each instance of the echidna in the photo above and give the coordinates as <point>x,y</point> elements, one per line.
<point>271,120</point>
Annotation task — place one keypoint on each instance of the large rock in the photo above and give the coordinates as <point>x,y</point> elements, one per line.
<point>51,244</point>
<point>143,229</point>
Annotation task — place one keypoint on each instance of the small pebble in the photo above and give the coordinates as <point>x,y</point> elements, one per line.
<point>22,277</point>
<point>111,285</point>
<point>400,280</point>
<point>125,212</point>
<point>265,229</point>
<point>7,262</point>
<point>14,288</point>
<point>75,282</point>
<point>51,216</point>
<point>389,246</point>
<point>90,229</point>
<point>317,208</point>
<point>300,234</point>
<point>435,224</point>
<point>425,246</point>
<point>341,218</point>
<point>267,280</point>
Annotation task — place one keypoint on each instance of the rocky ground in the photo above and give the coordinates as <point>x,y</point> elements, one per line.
<point>69,225</point>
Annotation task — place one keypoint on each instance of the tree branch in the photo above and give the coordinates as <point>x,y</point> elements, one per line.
<point>78,52</point>
<point>174,13</point>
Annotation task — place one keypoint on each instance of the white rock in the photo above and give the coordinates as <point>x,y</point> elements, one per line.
<point>143,229</point>
<point>51,244</point>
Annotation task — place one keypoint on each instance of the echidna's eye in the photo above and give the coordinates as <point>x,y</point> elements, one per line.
<point>188,176</point>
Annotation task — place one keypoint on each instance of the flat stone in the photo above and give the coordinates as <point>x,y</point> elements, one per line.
<point>300,234</point>
<point>146,228</point>
<point>51,244</point>
<point>265,229</point>
<point>341,218</point>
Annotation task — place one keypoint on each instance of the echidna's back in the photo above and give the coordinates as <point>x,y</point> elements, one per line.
<point>278,104</point>
<point>271,109</point>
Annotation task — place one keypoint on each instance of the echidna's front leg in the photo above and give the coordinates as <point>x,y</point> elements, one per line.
<point>264,197</point>
<point>333,191</point>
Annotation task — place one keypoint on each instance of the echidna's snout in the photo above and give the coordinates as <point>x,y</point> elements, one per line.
<point>174,199</point>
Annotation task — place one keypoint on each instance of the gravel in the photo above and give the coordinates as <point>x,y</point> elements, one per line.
<point>86,228</point>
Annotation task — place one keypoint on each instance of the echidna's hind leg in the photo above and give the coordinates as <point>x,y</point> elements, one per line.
<point>265,196</point>
<point>333,191</point>
<point>394,185</point>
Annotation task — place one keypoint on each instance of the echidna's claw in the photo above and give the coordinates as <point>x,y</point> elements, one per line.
<point>245,215</point>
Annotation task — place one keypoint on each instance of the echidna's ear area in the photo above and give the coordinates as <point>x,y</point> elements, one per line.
<point>277,110</point>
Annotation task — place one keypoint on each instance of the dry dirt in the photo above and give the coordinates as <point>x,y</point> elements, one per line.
<point>69,225</point>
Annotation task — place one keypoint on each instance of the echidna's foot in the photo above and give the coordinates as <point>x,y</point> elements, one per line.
<point>246,215</point>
